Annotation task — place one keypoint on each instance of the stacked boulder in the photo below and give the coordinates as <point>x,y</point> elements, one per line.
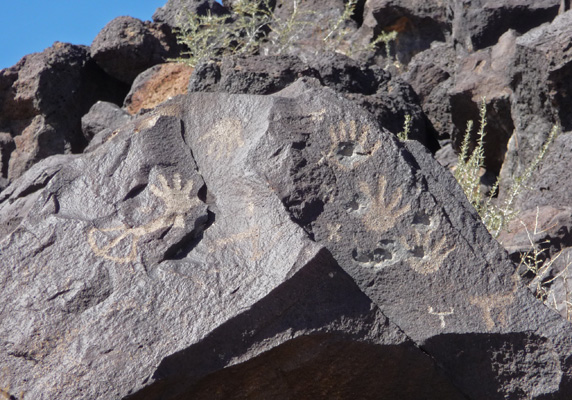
<point>253,228</point>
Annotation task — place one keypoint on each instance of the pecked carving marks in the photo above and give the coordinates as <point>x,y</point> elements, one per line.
<point>494,306</point>
<point>223,138</point>
<point>428,249</point>
<point>119,243</point>
<point>252,244</point>
<point>441,315</point>
<point>425,248</point>
<point>382,214</point>
<point>349,144</point>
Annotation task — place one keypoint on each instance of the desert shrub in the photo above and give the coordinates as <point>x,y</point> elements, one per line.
<point>210,36</point>
<point>253,23</point>
<point>404,134</point>
<point>495,215</point>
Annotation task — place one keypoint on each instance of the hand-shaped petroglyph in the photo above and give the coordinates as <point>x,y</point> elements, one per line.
<point>177,201</point>
<point>500,301</point>
<point>224,138</point>
<point>441,315</point>
<point>381,215</point>
<point>349,146</point>
<point>427,256</point>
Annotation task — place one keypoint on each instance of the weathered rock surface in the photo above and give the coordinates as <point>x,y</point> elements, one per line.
<point>103,115</point>
<point>479,24</point>
<point>551,184</point>
<point>389,100</point>
<point>486,75</point>
<point>431,74</point>
<point>271,238</point>
<point>174,275</point>
<point>402,228</point>
<point>541,85</point>
<point>316,20</point>
<point>42,99</point>
<point>418,23</point>
<point>156,85</point>
<point>126,46</point>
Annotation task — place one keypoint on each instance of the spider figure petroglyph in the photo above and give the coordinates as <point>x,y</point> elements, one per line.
<point>178,202</point>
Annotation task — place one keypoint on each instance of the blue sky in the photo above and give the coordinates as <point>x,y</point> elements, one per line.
<point>30,26</point>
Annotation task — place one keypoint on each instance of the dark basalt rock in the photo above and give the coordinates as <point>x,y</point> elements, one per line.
<point>157,85</point>
<point>126,46</point>
<point>265,235</point>
<point>389,100</point>
<point>479,24</point>
<point>541,83</point>
<point>103,115</point>
<point>550,184</point>
<point>401,227</point>
<point>418,23</point>
<point>188,273</point>
<point>42,100</point>
<point>486,75</point>
<point>431,74</point>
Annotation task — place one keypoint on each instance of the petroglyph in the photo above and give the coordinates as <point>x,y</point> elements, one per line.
<point>223,138</point>
<point>381,216</point>
<point>427,255</point>
<point>318,116</point>
<point>349,145</point>
<point>496,301</point>
<point>177,202</point>
<point>334,232</point>
<point>441,315</point>
<point>257,241</point>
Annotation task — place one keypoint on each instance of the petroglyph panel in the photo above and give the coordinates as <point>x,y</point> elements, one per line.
<point>349,144</point>
<point>224,138</point>
<point>119,243</point>
<point>494,306</point>
<point>425,249</point>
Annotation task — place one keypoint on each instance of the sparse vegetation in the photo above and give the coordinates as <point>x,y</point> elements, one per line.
<point>496,217</point>
<point>537,262</point>
<point>253,23</point>
<point>404,134</point>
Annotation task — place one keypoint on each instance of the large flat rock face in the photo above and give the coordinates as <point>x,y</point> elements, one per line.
<point>240,246</point>
<point>133,272</point>
<point>400,226</point>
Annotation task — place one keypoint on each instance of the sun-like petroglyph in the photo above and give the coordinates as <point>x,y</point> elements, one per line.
<point>497,301</point>
<point>349,145</point>
<point>441,315</point>
<point>110,243</point>
<point>382,214</point>
<point>223,138</point>
<point>426,253</point>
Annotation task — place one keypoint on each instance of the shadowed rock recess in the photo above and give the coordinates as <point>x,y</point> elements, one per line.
<point>258,231</point>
